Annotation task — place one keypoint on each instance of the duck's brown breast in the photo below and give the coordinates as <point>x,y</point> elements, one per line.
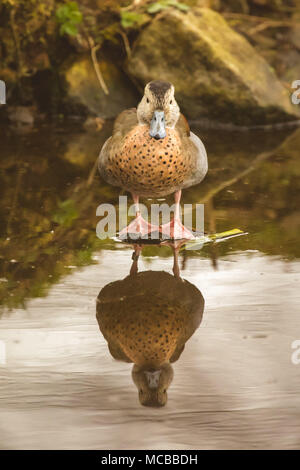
<point>148,334</point>
<point>148,315</point>
<point>148,166</point>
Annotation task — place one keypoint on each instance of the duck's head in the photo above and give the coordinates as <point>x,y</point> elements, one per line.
<point>152,384</point>
<point>158,108</point>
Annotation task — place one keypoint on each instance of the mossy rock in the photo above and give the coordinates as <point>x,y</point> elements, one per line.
<point>83,88</point>
<point>216,72</point>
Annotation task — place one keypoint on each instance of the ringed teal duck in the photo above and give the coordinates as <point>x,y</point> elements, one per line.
<point>153,153</point>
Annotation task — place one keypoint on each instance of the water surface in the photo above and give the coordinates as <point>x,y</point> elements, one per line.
<point>234,384</point>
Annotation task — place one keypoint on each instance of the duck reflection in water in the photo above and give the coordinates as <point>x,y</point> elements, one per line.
<point>146,320</point>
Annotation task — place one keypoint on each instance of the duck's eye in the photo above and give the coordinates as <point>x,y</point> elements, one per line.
<point>171,101</point>
<point>148,100</point>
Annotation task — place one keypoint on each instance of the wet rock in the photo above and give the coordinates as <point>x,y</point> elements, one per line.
<point>83,88</point>
<point>93,123</point>
<point>216,72</point>
<point>294,37</point>
<point>83,148</point>
<point>23,115</point>
<point>40,62</point>
<point>289,65</point>
<point>290,148</point>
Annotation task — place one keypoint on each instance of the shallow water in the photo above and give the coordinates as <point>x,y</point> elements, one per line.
<point>234,385</point>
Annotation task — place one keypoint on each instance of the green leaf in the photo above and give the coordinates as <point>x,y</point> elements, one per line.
<point>75,17</point>
<point>73,6</point>
<point>182,6</point>
<point>156,7</point>
<point>62,13</point>
<point>68,15</point>
<point>68,28</point>
<point>228,234</point>
<point>130,19</point>
<point>212,238</point>
<point>164,4</point>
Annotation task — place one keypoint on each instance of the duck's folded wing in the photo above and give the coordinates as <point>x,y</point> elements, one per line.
<point>199,157</point>
<point>126,121</point>
<point>117,352</point>
<point>193,146</point>
<point>183,127</point>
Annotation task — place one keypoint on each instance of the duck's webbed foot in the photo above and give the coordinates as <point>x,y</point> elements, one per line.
<point>138,228</point>
<point>175,230</point>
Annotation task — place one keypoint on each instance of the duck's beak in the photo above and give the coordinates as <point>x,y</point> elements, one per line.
<point>153,378</point>
<point>157,125</point>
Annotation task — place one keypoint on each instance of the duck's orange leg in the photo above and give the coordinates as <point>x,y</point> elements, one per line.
<point>135,257</point>
<point>175,245</point>
<point>139,227</point>
<point>175,230</point>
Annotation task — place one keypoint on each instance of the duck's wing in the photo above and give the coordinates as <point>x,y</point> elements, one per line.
<point>183,127</point>
<point>117,352</point>
<point>201,159</point>
<point>124,123</point>
<point>194,146</point>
